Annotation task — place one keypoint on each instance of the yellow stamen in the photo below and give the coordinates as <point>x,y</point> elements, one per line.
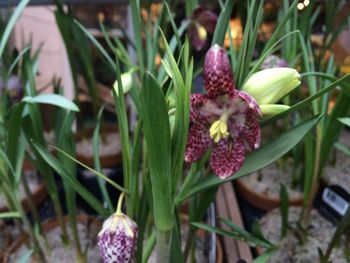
<point>218,130</point>
<point>202,32</point>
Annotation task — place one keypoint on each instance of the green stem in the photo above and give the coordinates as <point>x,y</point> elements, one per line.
<point>119,206</point>
<point>163,246</point>
<point>189,242</point>
<point>314,185</point>
<point>151,242</point>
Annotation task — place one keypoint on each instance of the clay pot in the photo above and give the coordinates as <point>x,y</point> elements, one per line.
<point>261,200</point>
<point>106,160</point>
<point>48,226</point>
<point>38,195</point>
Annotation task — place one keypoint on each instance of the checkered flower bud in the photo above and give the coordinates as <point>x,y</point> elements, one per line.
<point>117,239</point>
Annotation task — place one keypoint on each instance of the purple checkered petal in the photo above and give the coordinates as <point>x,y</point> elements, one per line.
<point>218,78</point>
<point>197,143</point>
<point>117,239</point>
<point>250,101</point>
<point>196,101</point>
<point>227,157</point>
<point>251,130</point>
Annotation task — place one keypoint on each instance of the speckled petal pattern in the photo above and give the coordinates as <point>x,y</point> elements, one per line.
<point>117,239</point>
<point>196,101</point>
<point>227,157</point>
<point>218,78</point>
<point>250,101</point>
<point>252,130</point>
<point>198,142</point>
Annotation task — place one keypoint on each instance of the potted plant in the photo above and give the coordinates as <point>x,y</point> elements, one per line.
<point>182,147</point>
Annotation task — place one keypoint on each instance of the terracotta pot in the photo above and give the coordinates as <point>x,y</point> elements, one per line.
<point>106,160</point>
<point>47,227</point>
<point>39,194</point>
<point>261,200</point>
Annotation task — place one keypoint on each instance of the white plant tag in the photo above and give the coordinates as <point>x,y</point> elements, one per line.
<point>335,201</point>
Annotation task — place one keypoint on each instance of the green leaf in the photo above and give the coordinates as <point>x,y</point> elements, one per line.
<point>97,44</point>
<point>345,121</point>
<point>241,234</point>
<point>257,240</point>
<point>157,135</point>
<point>57,166</point>
<point>342,148</point>
<point>260,158</point>
<point>52,99</point>
<point>222,24</point>
<point>10,25</point>
<point>25,256</point>
<point>264,257</point>
<point>182,95</point>
<point>97,163</point>
<point>10,215</point>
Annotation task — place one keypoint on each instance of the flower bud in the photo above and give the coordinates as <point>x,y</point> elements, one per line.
<point>270,85</point>
<point>126,82</point>
<point>269,110</point>
<point>117,239</point>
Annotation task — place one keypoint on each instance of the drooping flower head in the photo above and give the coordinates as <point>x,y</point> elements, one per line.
<point>202,23</point>
<point>118,237</point>
<point>225,118</point>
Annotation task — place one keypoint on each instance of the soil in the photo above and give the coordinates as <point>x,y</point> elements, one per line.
<point>109,145</point>
<point>34,182</point>
<point>58,253</point>
<point>268,180</point>
<point>320,233</point>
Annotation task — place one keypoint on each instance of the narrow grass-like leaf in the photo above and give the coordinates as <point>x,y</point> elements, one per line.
<point>333,127</point>
<point>137,29</point>
<point>249,237</point>
<point>222,24</point>
<point>97,163</point>
<point>157,135</point>
<point>11,24</point>
<point>16,60</point>
<point>57,166</point>
<point>345,121</point>
<point>11,214</point>
<point>115,185</point>
<point>97,45</point>
<point>241,234</point>
<point>342,148</point>
<point>52,99</point>
<point>264,257</point>
<point>260,158</point>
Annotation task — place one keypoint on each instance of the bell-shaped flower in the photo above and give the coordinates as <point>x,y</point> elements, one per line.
<point>118,237</point>
<point>270,85</point>
<point>202,24</point>
<point>225,118</point>
<point>126,79</point>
